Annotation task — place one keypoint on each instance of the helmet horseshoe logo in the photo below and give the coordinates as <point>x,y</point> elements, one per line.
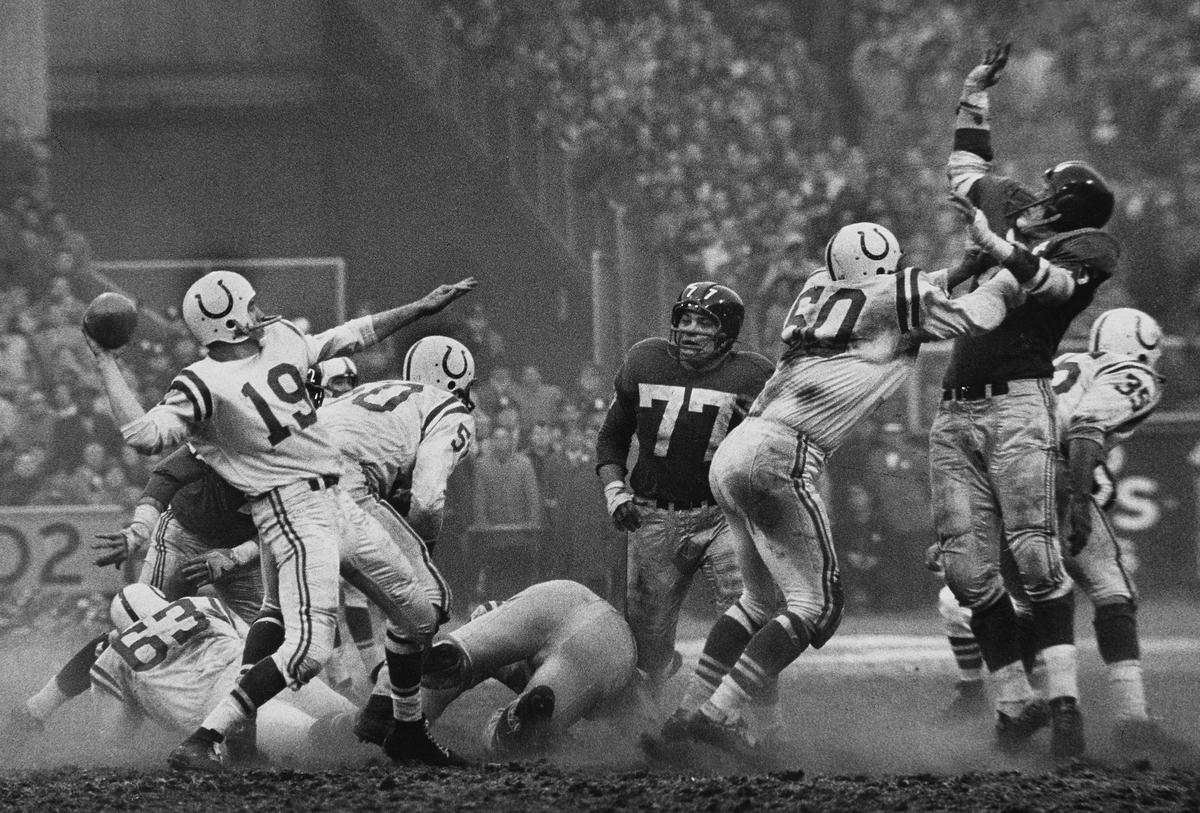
<point>1138,335</point>
<point>228,304</point>
<point>446,364</point>
<point>862,241</point>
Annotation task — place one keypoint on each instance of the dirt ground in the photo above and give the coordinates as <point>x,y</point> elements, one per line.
<point>861,726</point>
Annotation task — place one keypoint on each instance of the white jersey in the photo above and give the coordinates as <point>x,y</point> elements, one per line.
<point>1102,395</point>
<point>252,419</point>
<point>175,665</point>
<point>851,344</point>
<point>400,431</point>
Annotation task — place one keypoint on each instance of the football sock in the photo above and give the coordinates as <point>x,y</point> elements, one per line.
<point>1127,689</point>
<point>404,677</point>
<point>995,629</point>
<point>255,687</point>
<point>1013,691</point>
<point>777,644</point>
<point>968,657</point>
<point>724,645</point>
<point>263,640</point>
<point>43,704</point>
<point>1062,667</point>
<point>75,677</point>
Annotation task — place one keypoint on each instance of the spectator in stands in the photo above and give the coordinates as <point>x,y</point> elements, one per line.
<point>547,470</point>
<point>509,517</point>
<point>591,393</point>
<point>17,362</point>
<point>485,344</point>
<point>72,252</point>
<point>87,480</point>
<point>496,393</point>
<point>19,484</point>
<point>538,401</point>
<point>37,418</point>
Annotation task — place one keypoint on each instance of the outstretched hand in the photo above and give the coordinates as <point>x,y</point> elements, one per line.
<point>117,546</point>
<point>987,72</point>
<point>443,295</point>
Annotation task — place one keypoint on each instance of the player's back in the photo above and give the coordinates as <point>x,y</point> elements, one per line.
<point>380,426</point>
<point>174,664</point>
<point>260,426</point>
<point>1103,395</point>
<point>846,353</point>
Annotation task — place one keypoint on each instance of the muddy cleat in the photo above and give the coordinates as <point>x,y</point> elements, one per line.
<point>197,753</point>
<point>969,703</point>
<point>242,743</point>
<point>375,721</point>
<point>524,727</point>
<point>1066,728</point>
<point>1013,732</point>
<point>410,741</point>
<point>732,736</point>
<point>23,722</point>
<point>675,727</point>
<point>1146,737</point>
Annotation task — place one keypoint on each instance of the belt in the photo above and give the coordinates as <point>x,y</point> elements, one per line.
<point>323,482</point>
<point>314,484</point>
<point>680,505</point>
<point>974,392</point>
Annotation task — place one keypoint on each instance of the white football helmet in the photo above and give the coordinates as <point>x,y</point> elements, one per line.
<point>135,602</point>
<point>337,375</point>
<point>441,362</point>
<point>217,309</point>
<point>861,251</point>
<point>1127,331</point>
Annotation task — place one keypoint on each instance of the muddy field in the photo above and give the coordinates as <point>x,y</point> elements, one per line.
<point>861,720</point>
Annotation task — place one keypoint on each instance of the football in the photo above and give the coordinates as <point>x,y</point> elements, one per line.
<point>110,320</point>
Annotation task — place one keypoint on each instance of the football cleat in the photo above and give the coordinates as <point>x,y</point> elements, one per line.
<point>375,721</point>
<point>410,741</point>
<point>23,722</point>
<point>969,703</point>
<point>1013,732</point>
<point>524,727</point>
<point>731,736</point>
<point>1066,728</point>
<point>197,753</point>
<point>1146,737</point>
<point>242,743</point>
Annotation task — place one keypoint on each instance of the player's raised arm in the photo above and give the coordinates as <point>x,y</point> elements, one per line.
<point>972,154</point>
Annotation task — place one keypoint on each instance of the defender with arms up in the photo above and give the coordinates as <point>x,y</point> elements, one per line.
<point>992,444</point>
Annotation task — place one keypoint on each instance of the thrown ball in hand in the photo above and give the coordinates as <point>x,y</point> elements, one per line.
<point>110,320</point>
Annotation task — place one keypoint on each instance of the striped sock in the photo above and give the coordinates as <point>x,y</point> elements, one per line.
<point>404,677</point>
<point>968,657</point>
<point>725,644</point>
<point>771,649</point>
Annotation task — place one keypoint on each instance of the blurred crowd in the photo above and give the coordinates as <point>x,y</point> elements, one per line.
<point>747,133</point>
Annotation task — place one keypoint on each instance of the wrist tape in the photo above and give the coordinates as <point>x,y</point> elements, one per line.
<point>616,494</point>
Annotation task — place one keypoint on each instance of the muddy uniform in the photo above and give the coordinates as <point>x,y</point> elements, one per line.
<point>558,634</point>
<point>680,417</point>
<point>177,664</point>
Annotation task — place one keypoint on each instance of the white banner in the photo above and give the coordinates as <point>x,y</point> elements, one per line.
<point>48,547</point>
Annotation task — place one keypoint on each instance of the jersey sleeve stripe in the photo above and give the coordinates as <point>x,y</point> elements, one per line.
<point>444,408</point>
<point>179,386</point>
<point>202,389</point>
<point>914,297</point>
<point>103,680</point>
<point>901,304</point>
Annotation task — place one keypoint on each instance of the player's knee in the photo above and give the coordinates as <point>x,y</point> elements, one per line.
<point>1039,564</point>
<point>756,610</point>
<point>1116,631</point>
<point>406,640</point>
<point>300,670</point>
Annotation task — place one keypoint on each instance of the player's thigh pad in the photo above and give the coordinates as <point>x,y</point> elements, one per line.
<point>372,562</point>
<point>961,493</point>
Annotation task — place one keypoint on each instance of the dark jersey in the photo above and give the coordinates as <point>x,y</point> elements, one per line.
<point>680,418</point>
<point>1026,343</point>
<point>202,501</point>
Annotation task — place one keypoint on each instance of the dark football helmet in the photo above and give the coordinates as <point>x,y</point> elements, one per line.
<point>717,302</point>
<point>1076,197</point>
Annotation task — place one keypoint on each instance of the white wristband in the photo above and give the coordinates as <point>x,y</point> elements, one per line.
<point>988,240</point>
<point>616,494</point>
<point>244,553</point>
